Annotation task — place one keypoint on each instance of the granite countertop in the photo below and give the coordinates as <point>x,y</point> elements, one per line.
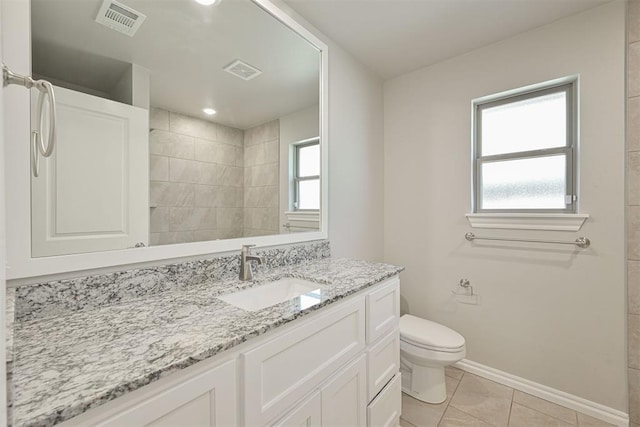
<point>70,362</point>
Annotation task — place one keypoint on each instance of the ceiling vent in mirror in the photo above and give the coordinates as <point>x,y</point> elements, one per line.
<point>120,17</point>
<point>242,70</point>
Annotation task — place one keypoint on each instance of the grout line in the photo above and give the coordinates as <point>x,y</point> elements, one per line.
<point>510,407</point>
<point>448,402</point>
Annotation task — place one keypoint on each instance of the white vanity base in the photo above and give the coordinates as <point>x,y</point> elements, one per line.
<point>337,366</point>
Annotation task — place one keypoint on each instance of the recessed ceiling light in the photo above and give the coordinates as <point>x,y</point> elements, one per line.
<point>209,111</point>
<point>208,2</point>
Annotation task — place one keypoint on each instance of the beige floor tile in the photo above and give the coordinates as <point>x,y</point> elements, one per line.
<point>425,414</point>
<point>587,421</point>
<point>405,423</point>
<point>421,414</point>
<point>452,372</point>
<point>483,399</point>
<point>556,411</point>
<point>455,418</point>
<point>521,416</point>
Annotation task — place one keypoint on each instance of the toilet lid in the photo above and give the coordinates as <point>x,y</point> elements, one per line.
<point>427,334</point>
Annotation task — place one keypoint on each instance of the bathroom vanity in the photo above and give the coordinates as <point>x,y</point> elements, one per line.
<point>184,356</point>
<point>157,345</point>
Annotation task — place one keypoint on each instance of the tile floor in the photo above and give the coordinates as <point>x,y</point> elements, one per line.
<point>475,401</point>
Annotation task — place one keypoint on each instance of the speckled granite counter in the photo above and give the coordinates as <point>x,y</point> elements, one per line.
<point>68,362</point>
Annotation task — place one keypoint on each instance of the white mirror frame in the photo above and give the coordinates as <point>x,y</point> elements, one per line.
<point>16,39</point>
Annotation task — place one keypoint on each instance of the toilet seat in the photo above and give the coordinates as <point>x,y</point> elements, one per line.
<point>429,335</point>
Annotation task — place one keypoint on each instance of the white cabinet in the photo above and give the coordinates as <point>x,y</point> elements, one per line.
<point>344,398</point>
<point>286,368</point>
<point>316,371</point>
<point>307,414</point>
<point>383,309</point>
<point>209,399</point>
<point>383,359</point>
<point>92,194</point>
<point>384,410</point>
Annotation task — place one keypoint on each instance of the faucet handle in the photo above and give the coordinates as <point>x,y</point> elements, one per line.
<point>246,249</point>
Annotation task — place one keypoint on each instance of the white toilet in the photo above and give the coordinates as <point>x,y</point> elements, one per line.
<point>426,348</point>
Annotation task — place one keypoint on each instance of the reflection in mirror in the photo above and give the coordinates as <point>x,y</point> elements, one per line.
<point>178,122</point>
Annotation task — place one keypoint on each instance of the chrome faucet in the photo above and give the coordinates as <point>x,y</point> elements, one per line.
<point>246,273</point>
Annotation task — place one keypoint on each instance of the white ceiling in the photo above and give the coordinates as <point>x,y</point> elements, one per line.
<point>185,46</point>
<point>393,37</point>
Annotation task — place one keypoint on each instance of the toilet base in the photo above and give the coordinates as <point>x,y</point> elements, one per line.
<point>427,384</point>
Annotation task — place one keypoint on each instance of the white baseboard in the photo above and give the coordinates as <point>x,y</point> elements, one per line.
<point>593,409</point>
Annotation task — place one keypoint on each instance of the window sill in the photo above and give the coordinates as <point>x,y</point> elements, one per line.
<point>523,221</point>
<point>308,216</point>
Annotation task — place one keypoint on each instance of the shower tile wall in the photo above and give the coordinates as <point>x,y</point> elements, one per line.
<point>261,162</point>
<point>633,213</point>
<point>196,179</point>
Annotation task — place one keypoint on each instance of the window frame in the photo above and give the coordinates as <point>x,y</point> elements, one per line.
<point>570,149</point>
<point>296,173</point>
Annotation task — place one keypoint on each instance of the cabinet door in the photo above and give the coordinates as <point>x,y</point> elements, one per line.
<point>307,414</point>
<point>204,401</point>
<point>92,194</point>
<point>344,399</point>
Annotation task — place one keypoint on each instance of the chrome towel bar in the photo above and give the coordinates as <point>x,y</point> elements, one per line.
<point>581,242</point>
<point>46,91</point>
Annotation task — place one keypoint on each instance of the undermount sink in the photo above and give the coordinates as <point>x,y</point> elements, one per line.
<point>271,293</point>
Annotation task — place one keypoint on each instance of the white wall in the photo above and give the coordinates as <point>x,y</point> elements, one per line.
<point>294,127</point>
<point>550,314</point>
<point>356,176</point>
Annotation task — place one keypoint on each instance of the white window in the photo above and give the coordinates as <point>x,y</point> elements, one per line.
<point>525,151</point>
<point>306,175</point>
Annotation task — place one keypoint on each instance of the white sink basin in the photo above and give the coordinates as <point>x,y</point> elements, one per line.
<point>271,293</point>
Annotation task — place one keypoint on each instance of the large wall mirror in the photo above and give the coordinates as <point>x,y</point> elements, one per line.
<point>181,125</point>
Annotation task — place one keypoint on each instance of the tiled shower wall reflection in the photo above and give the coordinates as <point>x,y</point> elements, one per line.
<point>633,213</point>
<point>261,171</point>
<point>196,179</point>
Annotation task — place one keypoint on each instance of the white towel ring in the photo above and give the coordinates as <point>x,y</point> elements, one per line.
<point>46,92</point>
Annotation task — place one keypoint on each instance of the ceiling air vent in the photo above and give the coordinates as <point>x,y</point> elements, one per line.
<point>242,70</point>
<point>120,17</point>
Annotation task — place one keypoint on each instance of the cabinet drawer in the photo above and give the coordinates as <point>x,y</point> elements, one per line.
<point>385,409</point>
<point>383,360</point>
<point>208,399</point>
<point>285,369</point>
<point>383,309</point>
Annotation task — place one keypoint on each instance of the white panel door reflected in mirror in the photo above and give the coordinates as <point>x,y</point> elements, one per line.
<point>224,94</point>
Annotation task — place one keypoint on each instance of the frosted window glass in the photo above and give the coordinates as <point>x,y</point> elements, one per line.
<point>309,194</point>
<point>530,124</point>
<point>532,183</point>
<point>309,160</point>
